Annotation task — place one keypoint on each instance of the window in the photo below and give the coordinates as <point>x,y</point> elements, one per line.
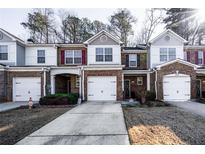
<point>167,54</point>
<point>108,54</point>
<point>99,54</point>
<point>132,60</point>
<point>3,52</point>
<point>139,80</point>
<point>163,54</point>
<point>172,53</point>
<point>41,56</point>
<point>103,54</point>
<point>200,57</point>
<point>73,57</point>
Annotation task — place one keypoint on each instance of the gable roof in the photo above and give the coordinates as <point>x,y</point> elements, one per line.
<point>170,32</point>
<point>179,61</point>
<point>13,37</point>
<point>99,34</point>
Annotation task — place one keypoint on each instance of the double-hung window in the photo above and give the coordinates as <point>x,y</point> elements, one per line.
<point>172,53</point>
<point>132,60</point>
<point>200,57</point>
<point>103,54</point>
<point>41,56</point>
<point>163,54</point>
<point>167,54</point>
<point>73,57</point>
<point>99,55</point>
<point>3,52</point>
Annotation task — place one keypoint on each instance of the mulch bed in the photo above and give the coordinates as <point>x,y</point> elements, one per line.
<point>18,123</point>
<point>164,125</point>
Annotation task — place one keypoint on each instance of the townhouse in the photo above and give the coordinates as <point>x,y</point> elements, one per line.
<point>101,69</point>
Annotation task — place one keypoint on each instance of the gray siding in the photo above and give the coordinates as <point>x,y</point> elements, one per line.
<point>20,55</point>
<point>6,39</point>
<point>172,42</point>
<point>98,41</point>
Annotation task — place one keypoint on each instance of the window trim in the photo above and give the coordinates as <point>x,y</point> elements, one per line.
<point>130,61</point>
<point>41,56</point>
<point>139,77</point>
<point>104,61</point>
<point>7,52</point>
<point>73,57</point>
<point>202,59</point>
<point>167,54</point>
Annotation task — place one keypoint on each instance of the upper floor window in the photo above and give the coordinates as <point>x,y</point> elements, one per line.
<point>103,54</point>
<point>3,52</point>
<point>73,56</point>
<point>132,60</point>
<point>167,54</point>
<point>41,56</point>
<point>172,53</point>
<point>200,57</point>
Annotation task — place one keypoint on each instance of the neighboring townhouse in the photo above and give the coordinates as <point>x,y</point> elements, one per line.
<point>101,69</point>
<point>136,73</point>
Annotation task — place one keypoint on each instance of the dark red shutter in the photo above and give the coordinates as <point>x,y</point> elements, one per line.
<point>196,57</point>
<point>204,57</point>
<point>84,57</point>
<point>62,57</point>
<point>188,56</point>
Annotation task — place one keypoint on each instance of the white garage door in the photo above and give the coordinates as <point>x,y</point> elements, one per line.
<point>26,87</point>
<point>176,87</point>
<point>102,88</point>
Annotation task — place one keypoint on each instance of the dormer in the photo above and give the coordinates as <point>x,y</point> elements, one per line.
<point>167,46</point>
<point>12,49</point>
<point>104,49</point>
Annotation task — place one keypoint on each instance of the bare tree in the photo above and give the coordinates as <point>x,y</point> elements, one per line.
<point>153,18</point>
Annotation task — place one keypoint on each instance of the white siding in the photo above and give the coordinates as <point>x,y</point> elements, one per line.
<point>155,54</point>
<point>50,55</point>
<point>163,42</point>
<point>11,53</point>
<point>116,50</point>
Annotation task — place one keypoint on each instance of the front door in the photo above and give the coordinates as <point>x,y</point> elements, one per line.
<point>127,89</point>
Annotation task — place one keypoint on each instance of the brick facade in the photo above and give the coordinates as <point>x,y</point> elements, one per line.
<point>62,84</point>
<point>134,87</point>
<point>12,74</point>
<point>171,69</point>
<point>117,73</point>
<point>2,86</point>
<point>143,61</point>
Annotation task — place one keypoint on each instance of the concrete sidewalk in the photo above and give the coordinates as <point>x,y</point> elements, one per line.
<point>193,107</point>
<point>90,123</point>
<point>12,105</point>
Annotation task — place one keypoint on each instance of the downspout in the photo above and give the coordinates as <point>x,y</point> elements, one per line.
<point>44,81</point>
<point>155,83</point>
<point>82,84</point>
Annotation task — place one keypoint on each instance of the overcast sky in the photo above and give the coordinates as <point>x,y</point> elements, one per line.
<point>10,19</point>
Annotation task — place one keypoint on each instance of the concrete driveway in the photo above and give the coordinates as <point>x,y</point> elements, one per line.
<point>193,107</point>
<point>89,123</point>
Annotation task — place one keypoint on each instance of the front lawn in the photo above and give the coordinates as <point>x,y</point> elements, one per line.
<point>164,125</point>
<point>18,123</point>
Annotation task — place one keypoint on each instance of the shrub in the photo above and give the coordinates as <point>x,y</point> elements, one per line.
<point>150,96</point>
<point>59,99</point>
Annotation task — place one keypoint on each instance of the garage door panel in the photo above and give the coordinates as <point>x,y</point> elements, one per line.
<point>102,88</point>
<point>176,88</point>
<point>26,87</point>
